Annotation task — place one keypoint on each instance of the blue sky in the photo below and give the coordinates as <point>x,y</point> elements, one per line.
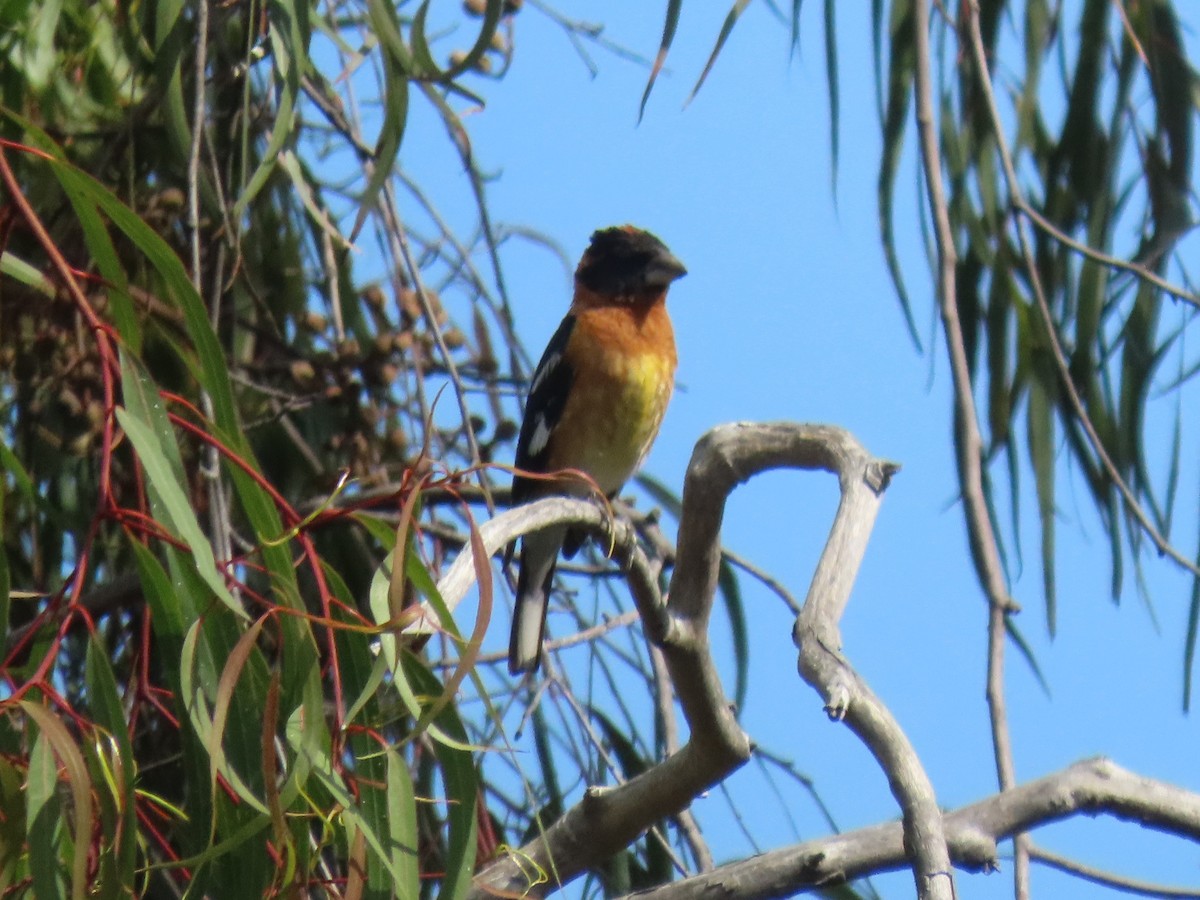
<point>788,313</point>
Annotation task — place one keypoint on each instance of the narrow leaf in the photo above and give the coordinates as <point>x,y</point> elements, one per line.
<point>669,26</point>
<point>831,83</point>
<point>731,18</point>
<point>80,784</point>
<point>180,516</point>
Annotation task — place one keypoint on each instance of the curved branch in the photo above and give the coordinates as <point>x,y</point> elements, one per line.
<point>1109,880</point>
<point>607,820</point>
<point>501,531</point>
<point>972,833</point>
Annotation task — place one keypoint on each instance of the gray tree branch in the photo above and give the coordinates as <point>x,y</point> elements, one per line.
<point>968,441</point>
<point>607,820</point>
<point>1090,787</point>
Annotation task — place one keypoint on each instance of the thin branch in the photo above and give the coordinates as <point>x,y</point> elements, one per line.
<point>973,832</point>
<point>579,30</point>
<point>1109,880</point>
<point>968,440</point>
<point>763,577</point>
<point>587,635</point>
<point>1113,262</point>
<point>401,249</point>
<point>218,507</point>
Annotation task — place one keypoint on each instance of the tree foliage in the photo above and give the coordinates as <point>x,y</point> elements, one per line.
<point>1090,232</point>
<point>194,373</point>
<point>237,455</point>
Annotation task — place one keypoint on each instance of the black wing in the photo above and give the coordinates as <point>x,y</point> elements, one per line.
<point>547,398</point>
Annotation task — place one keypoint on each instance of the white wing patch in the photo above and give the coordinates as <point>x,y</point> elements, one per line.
<point>541,434</point>
<point>543,372</point>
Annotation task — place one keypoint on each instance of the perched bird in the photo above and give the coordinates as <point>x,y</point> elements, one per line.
<point>595,403</point>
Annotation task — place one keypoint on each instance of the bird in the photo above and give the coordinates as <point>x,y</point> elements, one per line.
<point>595,404</point>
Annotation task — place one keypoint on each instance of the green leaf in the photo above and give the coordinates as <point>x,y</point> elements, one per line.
<point>355,820</point>
<point>794,38</point>
<point>176,509</point>
<point>831,82</point>
<point>397,69</point>
<point>1026,651</point>
<point>19,270</point>
<point>739,6</point>
<point>543,746</point>
<point>462,788</point>
<point>661,494</point>
<point>109,713</point>
<point>492,13</point>
<point>56,736</point>
<point>731,593</point>
<point>668,36</point>
<point>632,762</point>
<point>901,71</point>
<point>13,795</point>
<point>213,372</point>
<point>401,825</point>
<point>38,51</point>
<point>289,35</point>
<point>169,50</point>
<point>230,676</point>
<point>1189,643</point>
<point>5,578</point>
<point>104,254</point>
<point>44,823</point>
<point>1041,455</point>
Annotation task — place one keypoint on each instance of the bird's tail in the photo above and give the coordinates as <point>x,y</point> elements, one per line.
<point>539,554</point>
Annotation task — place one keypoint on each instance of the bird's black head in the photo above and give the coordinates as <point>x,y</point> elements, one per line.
<point>627,261</point>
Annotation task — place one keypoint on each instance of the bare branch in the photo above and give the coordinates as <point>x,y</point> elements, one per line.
<point>1109,880</point>
<point>972,833</point>
<point>863,480</point>
<point>499,532</point>
<point>606,821</point>
<point>1113,262</point>
<point>968,441</point>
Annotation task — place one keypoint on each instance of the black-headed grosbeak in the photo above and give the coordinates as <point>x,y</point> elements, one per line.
<point>595,403</point>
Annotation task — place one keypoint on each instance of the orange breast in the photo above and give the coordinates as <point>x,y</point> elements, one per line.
<point>624,362</point>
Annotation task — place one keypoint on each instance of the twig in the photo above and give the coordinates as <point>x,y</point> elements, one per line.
<point>220,525</point>
<point>968,440</point>
<point>563,689</point>
<point>1108,879</point>
<point>577,29</point>
<point>1113,262</point>
<point>765,578</point>
<point>402,250</point>
<point>580,637</point>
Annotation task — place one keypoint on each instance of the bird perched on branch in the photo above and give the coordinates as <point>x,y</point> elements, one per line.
<point>595,403</point>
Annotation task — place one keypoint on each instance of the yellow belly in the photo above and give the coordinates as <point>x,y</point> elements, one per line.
<point>617,402</point>
<point>627,409</point>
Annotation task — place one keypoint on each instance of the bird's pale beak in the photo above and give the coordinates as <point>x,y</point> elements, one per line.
<point>664,269</point>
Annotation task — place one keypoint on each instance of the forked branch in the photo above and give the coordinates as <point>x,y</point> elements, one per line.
<point>607,820</point>
<point>1090,787</point>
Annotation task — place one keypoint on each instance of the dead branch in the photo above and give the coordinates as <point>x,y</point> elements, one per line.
<point>607,820</point>
<point>1090,787</point>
